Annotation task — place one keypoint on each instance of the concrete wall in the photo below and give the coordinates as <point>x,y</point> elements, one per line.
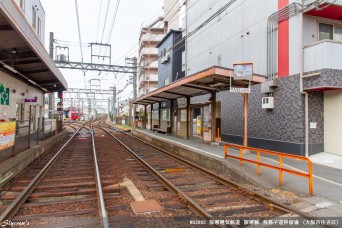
<point>17,97</point>
<point>279,129</point>
<point>333,122</point>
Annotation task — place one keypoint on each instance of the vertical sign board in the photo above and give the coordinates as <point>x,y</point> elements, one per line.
<point>7,135</point>
<point>4,95</point>
<point>47,125</point>
<point>184,115</point>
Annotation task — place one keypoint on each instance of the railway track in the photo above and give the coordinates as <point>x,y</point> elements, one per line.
<point>67,184</point>
<point>206,194</point>
<point>104,173</point>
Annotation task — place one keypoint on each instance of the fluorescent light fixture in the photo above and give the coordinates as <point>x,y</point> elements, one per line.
<point>10,69</point>
<point>32,82</point>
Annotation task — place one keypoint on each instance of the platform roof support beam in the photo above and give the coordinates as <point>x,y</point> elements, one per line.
<point>145,116</point>
<point>188,117</point>
<point>245,113</point>
<point>151,118</point>
<point>213,116</point>
<point>171,115</point>
<point>159,115</point>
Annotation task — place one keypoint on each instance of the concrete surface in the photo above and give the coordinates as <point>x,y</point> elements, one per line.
<point>327,181</point>
<point>13,166</point>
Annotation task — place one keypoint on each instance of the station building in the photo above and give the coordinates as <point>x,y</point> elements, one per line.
<point>27,73</point>
<point>294,45</point>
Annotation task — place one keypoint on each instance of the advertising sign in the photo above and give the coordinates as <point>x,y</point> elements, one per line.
<point>47,125</point>
<point>7,134</point>
<point>155,115</point>
<point>166,114</point>
<point>243,71</point>
<point>53,125</point>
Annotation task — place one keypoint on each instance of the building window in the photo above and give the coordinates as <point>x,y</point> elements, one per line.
<point>330,32</point>
<point>22,5</point>
<point>39,29</point>
<point>34,18</point>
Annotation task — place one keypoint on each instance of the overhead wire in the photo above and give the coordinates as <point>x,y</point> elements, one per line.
<point>99,21</point>
<point>79,29</point>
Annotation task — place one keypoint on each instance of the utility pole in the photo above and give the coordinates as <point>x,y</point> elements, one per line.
<point>108,106</point>
<point>114,104</point>
<point>51,95</point>
<point>135,68</point>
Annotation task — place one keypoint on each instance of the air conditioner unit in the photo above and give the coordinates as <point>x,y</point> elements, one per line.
<point>165,58</point>
<point>268,102</point>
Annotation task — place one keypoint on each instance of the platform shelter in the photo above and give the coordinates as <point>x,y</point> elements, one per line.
<point>178,120</point>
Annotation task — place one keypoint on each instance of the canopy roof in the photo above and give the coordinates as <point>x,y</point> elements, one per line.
<point>22,53</point>
<point>214,79</point>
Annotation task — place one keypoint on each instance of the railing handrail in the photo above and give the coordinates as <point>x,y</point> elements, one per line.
<point>274,153</point>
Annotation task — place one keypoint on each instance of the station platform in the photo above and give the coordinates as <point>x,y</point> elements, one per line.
<point>14,165</point>
<point>327,169</point>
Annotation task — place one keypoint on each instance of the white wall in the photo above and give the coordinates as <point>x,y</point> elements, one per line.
<point>222,37</point>
<point>40,13</point>
<point>333,122</point>
<point>171,14</point>
<point>322,55</point>
<point>16,97</point>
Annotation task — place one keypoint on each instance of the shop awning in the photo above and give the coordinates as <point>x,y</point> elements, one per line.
<point>214,79</point>
<point>22,54</point>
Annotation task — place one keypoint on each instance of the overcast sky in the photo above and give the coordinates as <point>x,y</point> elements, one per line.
<point>61,19</point>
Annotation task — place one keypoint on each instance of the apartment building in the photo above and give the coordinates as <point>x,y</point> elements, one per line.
<point>150,36</point>
<point>297,46</point>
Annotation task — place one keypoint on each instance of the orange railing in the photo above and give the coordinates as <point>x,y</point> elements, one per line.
<point>307,175</point>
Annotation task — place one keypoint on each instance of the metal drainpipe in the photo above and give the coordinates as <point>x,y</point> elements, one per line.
<point>306,104</point>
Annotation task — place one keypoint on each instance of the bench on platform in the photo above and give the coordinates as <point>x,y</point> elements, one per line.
<point>165,131</point>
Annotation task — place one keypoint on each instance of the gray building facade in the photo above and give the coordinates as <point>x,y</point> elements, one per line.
<point>170,51</point>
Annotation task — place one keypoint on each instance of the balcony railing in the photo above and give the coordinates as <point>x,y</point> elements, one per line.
<point>325,54</point>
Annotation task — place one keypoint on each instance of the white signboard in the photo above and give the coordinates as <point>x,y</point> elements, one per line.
<point>184,115</point>
<point>53,125</point>
<point>243,71</point>
<point>240,90</point>
<point>47,125</point>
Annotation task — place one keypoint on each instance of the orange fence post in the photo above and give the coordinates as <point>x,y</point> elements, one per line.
<point>240,156</point>
<point>225,150</point>
<point>310,177</point>
<point>258,152</point>
<point>280,170</point>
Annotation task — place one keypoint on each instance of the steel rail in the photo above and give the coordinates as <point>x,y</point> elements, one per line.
<point>14,207</point>
<point>192,205</point>
<point>261,198</point>
<point>99,191</point>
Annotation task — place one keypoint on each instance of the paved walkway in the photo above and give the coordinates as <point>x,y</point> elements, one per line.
<point>327,172</point>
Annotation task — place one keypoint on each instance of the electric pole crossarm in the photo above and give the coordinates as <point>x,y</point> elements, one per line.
<point>95,67</point>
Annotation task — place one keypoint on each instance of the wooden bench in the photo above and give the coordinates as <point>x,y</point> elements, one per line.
<point>167,131</point>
